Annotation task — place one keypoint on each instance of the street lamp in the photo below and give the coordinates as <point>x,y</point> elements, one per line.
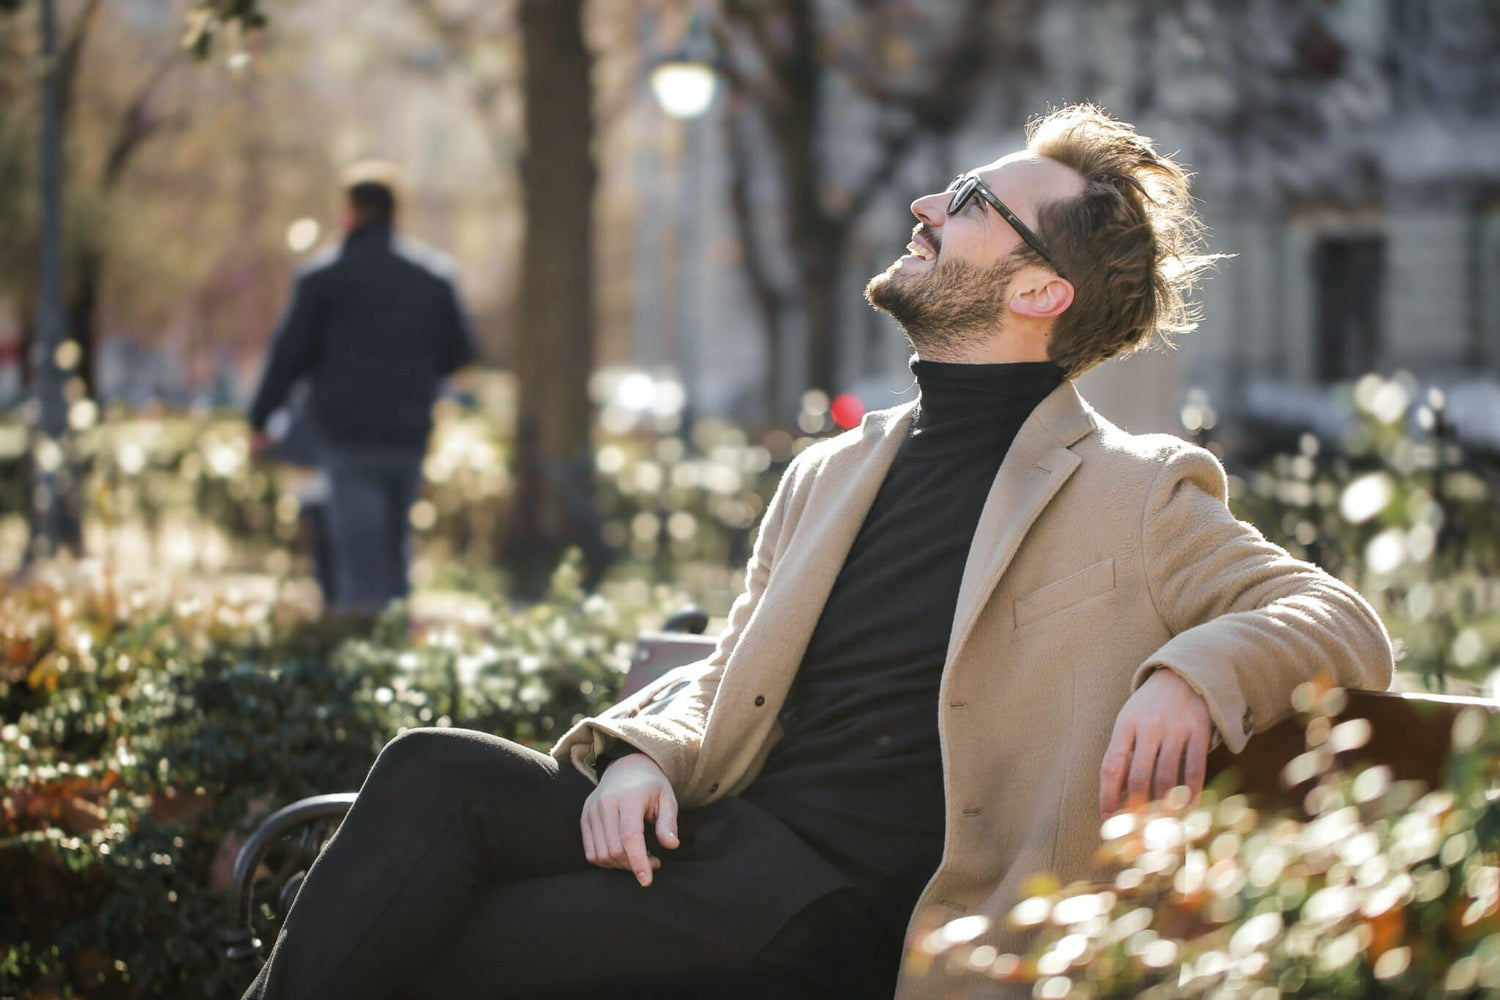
<point>685,81</point>
<point>684,89</point>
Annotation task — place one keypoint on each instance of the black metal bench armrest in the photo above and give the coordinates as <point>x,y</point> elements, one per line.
<point>310,822</point>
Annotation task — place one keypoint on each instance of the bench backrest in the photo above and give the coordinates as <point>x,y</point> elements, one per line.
<point>1409,733</point>
<point>658,652</point>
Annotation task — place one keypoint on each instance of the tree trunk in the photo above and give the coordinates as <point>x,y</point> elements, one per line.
<point>83,315</point>
<point>820,293</point>
<point>554,350</point>
<point>754,243</point>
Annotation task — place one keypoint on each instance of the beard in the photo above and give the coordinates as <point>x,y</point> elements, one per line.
<point>953,306</point>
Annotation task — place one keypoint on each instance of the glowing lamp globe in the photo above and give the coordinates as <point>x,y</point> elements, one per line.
<point>684,88</point>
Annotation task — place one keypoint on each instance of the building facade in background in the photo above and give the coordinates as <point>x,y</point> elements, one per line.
<point>1347,151</point>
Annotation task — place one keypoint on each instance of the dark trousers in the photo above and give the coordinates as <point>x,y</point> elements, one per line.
<point>459,874</point>
<point>315,517</point>
<point>369,529</point>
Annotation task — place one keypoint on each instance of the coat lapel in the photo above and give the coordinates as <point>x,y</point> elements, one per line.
<point>1036,466</point>
<point>841,493</point>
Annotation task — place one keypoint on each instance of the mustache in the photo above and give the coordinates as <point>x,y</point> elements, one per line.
<point>928,234</point>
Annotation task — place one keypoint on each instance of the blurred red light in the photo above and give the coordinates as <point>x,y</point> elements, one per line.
<point>847,410</point>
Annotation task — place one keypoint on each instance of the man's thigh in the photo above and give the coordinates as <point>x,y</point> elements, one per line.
<point>835,948</point>
<point>596,933</point>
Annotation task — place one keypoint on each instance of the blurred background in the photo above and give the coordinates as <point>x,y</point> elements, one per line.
<point>661,214</point>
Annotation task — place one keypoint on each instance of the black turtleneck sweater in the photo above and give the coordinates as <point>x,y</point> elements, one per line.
<point>858,774</point>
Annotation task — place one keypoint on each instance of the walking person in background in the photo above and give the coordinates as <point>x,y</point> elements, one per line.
<point>375,325</point>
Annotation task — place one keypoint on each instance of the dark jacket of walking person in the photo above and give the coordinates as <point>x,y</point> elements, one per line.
<point>375,325</point>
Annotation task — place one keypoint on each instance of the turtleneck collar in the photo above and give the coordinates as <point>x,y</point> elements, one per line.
<point>975,407</point>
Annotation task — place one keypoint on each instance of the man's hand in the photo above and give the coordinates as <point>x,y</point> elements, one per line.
<point>1164,727</point>
<point>632,791</point>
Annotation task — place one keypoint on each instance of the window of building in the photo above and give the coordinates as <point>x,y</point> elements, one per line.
<point>1348,272</point>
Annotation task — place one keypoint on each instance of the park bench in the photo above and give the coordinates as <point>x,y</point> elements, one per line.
<point>1410,734</point>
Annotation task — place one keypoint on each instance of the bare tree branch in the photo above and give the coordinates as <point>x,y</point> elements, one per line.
<point>930,97</point>
<point>770,300</point>
<point>457,37</point>
<point>938,110</point>
<point>769,83</point>
<point>753,242</point>
<point>68,59</point>
<point>137,123</point>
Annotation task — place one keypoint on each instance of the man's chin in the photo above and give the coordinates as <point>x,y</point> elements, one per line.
<point>876,291</point>
<point>882,289</point>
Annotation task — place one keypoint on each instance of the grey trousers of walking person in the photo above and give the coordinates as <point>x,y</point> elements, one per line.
<point>370,496</point>
<point>459,874</point>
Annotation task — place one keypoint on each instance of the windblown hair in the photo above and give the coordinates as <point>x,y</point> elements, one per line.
<point>1131,244</point>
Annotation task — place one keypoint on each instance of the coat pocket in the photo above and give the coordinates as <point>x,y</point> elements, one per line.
<point>1091,581</point>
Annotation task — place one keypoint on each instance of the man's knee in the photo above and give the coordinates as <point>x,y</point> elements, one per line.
<point>437,751</point>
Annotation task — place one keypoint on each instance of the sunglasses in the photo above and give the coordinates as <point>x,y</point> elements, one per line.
<point>965,186</point>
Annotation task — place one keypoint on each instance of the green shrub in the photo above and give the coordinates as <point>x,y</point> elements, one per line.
<point>1389,890</point>
<point>143,728</point>
<point>1404,514</point>
<point>179,490</point>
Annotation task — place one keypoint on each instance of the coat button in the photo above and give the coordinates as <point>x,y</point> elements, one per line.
<point>760,699</point>
<point>713,788</point>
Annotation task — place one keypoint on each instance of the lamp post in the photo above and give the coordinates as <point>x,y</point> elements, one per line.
<point>51,463</point>
<point>684,84</point>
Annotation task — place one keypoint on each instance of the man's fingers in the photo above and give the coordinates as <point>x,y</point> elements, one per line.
<point>601,842</point>
<point>613,848</point>
<point>1143,765</point>
<point>1169,764</point>
<point>634,841</point>
<point>666,821</point>
<point>1112,770</point>
<point>1195,763</point>
<point>588,836</point>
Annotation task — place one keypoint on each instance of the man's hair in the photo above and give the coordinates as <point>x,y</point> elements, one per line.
<point>1131,243</point>
<point>371,188</point>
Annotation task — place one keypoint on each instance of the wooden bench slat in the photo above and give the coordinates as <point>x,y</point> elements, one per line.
<point>1409,733</point>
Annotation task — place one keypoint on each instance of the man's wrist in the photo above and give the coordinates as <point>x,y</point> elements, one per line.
<point>609,756</point>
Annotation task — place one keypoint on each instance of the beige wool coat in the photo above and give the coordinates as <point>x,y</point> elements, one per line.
<point>1099,556</point>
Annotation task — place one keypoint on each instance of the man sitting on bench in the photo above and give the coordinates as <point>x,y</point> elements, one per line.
<point>972,628</point>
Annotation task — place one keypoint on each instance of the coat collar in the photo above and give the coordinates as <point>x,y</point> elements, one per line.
<point>1064,413</point>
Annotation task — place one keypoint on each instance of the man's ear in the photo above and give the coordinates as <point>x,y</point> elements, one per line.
<point>1048,297</point>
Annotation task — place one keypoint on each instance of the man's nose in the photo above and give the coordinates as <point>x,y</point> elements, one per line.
<point>930,209</point>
